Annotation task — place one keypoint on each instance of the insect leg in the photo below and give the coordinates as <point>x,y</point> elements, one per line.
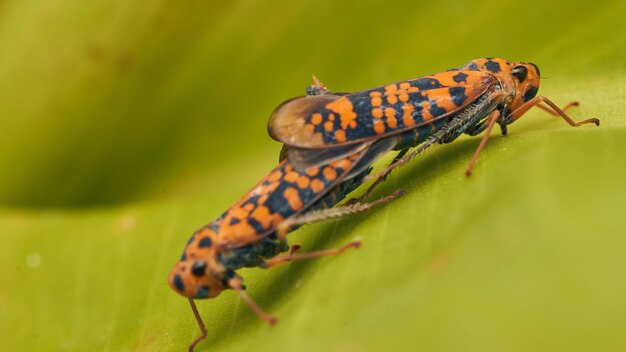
<point>318,88</point>
<point>291,257</point>
<point>236,284</point>
<point>324,214</point>
<point>565,108</point>
<point>378,181</point>
<point>318,83</point>
<point>200,324</point>
<point>555,110</point>
<point>492,118</point>
<point>478,129</point>
<point>399,160</point>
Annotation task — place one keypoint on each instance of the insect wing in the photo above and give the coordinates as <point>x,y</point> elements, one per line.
<point>293,120</point>
<point>303,159</point>
<point>317,122</point>
<point>374,152</point>
<point>283,193</point>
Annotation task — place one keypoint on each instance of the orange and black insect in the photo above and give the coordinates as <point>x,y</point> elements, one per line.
<point>253,231</point>
<point>436,108</point>
<point>331,139</point>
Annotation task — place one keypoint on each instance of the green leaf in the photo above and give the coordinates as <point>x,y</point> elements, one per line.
<point>127,125</point>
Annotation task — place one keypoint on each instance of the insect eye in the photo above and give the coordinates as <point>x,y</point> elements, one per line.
<point>520,73</point>
<point>198,268</point>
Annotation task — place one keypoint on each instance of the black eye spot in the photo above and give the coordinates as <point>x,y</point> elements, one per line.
<point>178,283</point>
<point>520,72</point>
<point>198,268</point>
<point>530,93</point>
<point>205,242</point>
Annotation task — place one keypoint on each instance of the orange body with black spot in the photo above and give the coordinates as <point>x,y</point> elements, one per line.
<point>330,142</point>
<point>245,235</point>
<point>458,101</point>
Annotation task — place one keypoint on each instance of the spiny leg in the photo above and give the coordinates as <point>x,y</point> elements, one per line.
<point>324,253</point>
<point>324,214</point>
<point>378,181</point>
<point>318,88</point>
<point>200,324</point>
<point>401,159</point>
<point>236,284</point>
<point>520,111</point>
<point>492,118</point>
<point>317,83</point>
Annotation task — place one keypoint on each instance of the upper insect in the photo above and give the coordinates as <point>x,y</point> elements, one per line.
<point>332,119</point>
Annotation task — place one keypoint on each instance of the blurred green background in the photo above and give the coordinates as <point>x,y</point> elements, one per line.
<point>126,125</point>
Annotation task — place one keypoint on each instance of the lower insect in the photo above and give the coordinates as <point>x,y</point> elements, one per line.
<point>253,231</point>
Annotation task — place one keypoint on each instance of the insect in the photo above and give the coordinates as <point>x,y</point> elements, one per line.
<point>330,142</point>
<point>438,108</point>
<point>253,231</point>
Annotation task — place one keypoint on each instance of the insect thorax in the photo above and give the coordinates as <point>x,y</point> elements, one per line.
<point>252,254</point>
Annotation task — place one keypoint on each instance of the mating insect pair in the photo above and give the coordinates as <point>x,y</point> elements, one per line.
<point>330,142</point>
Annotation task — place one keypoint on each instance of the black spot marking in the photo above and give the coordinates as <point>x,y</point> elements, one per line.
<point>426,83</point>
<point>520,72</point>
<point>530,93</point>
<point>198,268</point>
<point>254,200</point>
<point>258,228</point>
<point>536,68</point>
<point>183,257</point>
<point>360,105</point>
<point>460,77</point>
<point>178,283</point>
<point>205,242</point>
<point>436,110</point>
<point>492,66</point>
<point>203,292</point>
<point>234,221</point>
<point>458,95</point>
<point>471,66</point>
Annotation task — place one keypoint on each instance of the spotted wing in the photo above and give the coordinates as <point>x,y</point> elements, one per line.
<point>283,193</point>
<point>329,121</point>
